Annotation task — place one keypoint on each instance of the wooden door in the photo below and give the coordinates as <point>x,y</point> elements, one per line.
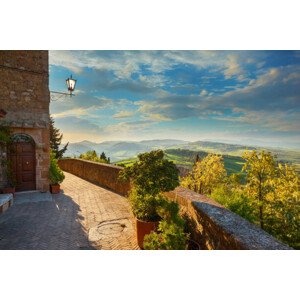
<point>22,155</point>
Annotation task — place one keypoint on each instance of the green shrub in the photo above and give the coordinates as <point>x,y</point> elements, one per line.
<point>92,155</point>
<point>152,174</point>
<point>235,199</point>
<point>145,206</point>
<point>170,234</point>
<point>5,134</point>
<point>5,140</point>
<point>56,175</point>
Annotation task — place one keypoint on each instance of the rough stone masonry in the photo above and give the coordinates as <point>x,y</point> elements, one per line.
<point>24,99</point>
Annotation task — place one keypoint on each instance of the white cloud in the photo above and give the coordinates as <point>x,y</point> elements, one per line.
<point>270,101</point>
<point>153,80</point>
<point>123,114</point>
<point>157,117</point>
<point>126,130</point>
<point>276,121</point>
<point>81,105</point>
<point>232,66</point>
<point>266,102</point>
<point>76,129</point>
<point>125,63</point>
<point>203,93</point>
<point>79,111</point>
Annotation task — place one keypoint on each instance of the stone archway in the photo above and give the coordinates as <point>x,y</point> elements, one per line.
<point>21,154</point>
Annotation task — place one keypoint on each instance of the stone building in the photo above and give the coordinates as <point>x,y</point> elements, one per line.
<point>24,107</point>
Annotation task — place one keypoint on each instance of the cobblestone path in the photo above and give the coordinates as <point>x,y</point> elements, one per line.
<point>82,216</point>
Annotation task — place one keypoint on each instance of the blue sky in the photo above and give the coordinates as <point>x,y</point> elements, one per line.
<point>246,97</point>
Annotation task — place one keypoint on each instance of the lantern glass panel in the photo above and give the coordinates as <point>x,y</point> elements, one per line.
<point>71,84</point>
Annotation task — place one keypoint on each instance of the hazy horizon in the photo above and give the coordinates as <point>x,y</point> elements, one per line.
<point>186,141</point>
<point>240,97</point>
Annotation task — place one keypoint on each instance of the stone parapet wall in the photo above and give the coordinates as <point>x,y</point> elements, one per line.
<point>215,227</point>
<point>211,225</point>
<point>103,174</point>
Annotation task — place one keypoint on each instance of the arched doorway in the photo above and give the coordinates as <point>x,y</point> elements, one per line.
<point>21,153</point>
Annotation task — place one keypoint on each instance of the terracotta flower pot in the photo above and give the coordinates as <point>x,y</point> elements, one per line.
<point>9,190</point>
<point>143,228</point>
<point>54,188</point>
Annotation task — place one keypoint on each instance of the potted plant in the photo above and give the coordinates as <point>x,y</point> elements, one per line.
<point>144,208</point>
<point>170,234</point>
<point>150,176</point>
<point>11,181</point>
<point>5,139</point>
<point>56,175</point>
<point>5,134</point>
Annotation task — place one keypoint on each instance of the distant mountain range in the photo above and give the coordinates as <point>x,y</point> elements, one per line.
<point>121,150</point>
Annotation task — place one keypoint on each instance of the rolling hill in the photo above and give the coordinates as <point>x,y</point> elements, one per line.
<point>119,150</point>
<point>186,158</point>
<point>179,151</point>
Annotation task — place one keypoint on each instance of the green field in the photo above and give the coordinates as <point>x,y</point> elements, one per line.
<point>233,163</point>
<point>183,157</point>
<point>283,155</point>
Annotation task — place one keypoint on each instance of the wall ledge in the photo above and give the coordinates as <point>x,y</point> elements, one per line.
<point>93,162</point>
<point>220,228</point>
<point>105,175</point>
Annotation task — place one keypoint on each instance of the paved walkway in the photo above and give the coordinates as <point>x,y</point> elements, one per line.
<point>82,216</point>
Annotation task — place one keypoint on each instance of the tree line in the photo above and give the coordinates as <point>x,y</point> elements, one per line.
<point>270,196</point>
<point>92,155</point>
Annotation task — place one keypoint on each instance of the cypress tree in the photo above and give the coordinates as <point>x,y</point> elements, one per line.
<point>55,140</point>
<point>103,156</point>
<point>197,159</point>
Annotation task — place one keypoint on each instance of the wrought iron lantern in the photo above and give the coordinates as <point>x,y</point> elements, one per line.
<point>71,83</point>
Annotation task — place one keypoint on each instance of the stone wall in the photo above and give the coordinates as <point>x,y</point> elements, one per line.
<point>215,227</point>
<point>24,92</point>
<point>103,174</point>
<point>211,225</point>
<point>25,97</point>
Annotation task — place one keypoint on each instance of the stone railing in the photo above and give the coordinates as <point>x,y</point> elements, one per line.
<point>215,227</point>
<point>103,174</point>
<point>211,225</point>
